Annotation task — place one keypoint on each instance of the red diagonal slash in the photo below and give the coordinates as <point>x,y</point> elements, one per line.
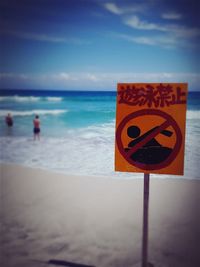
<point>163,126</point>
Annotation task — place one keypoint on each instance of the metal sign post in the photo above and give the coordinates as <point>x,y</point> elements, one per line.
<point>145,221</point>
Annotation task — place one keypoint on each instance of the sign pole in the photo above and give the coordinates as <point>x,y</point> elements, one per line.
<point>145,220</point>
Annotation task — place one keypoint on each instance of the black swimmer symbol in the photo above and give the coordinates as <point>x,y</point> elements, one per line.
<point>152,152</point>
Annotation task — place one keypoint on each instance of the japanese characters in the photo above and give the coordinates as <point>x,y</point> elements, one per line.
<point>156,96</point>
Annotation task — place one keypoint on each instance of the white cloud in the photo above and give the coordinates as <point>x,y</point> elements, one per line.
<point>10,75</point>
<point>68,77</point>
<point>92,81</point>
<point>171,35</point>
<point>44,37</point>
<point>171,16</point>
<point>182,31</point>
<point>91,77</point>
<point>166,41</point>
<point>125,9</point>
<point>63,76</point>
<point>113,8</point>
<point>129,16</point>
<point>136,23</point>
<point>138,40</point>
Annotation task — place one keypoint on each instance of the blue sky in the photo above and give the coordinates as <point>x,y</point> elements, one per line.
<point>93,44</point>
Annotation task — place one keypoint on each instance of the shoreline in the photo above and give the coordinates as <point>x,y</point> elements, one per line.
<point>115,175</point>
<point>96,221</point>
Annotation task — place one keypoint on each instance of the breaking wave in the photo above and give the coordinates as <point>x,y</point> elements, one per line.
<point>17,98</point>
<point>32,112</point>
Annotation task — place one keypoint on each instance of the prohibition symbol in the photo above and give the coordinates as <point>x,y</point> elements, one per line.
<point>144,151</point>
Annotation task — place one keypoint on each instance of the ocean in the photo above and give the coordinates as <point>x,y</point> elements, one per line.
<point>77,132</point>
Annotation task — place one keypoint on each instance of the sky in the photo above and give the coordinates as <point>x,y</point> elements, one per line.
<point>94,44</point>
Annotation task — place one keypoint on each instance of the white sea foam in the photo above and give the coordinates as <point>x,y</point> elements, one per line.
<point>193,114</point>
<point>26,98</point>
<point>85,151</point>
<point>17,98</point>
<point>3,113</point>
<point>4,98</point>
<point>54,99</point>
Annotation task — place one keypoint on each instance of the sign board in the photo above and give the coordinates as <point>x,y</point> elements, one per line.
<point>150,127</point>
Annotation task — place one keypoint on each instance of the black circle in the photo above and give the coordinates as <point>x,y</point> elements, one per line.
<point>133,131</point>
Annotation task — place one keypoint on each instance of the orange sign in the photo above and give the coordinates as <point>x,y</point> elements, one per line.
<point>150,127</point>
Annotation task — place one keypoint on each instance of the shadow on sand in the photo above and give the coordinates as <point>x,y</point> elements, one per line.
<point>67,263</point>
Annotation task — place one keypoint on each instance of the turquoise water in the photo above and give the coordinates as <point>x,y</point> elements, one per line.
<point>58,113</point>
<point>77,131</point>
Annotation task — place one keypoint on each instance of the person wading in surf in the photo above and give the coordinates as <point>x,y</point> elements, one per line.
<point>36,129</point>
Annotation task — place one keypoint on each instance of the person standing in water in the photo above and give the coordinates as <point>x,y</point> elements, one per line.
<point>9,120</point>
<point>36,129</point>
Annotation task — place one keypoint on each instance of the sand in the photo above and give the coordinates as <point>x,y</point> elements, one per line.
<point>96,221</point>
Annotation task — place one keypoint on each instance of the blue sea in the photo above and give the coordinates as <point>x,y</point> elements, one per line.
<point>77,132</point>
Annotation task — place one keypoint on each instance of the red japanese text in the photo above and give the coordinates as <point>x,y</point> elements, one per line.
<point>158,96</point>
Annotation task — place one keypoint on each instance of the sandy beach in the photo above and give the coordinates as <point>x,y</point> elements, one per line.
<point>96,221</point>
